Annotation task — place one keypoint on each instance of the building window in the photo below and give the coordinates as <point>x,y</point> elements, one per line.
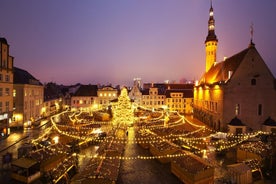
<point>0,107</point>
<point>7,106</point>
<point>260,110</point>
<point>1,77</point>
<point>25,105</point>
<point>7,91</point>
<point>1,91</point>
<point>253,82</point>
<point>237,109</point>
<point>4,63</point>
<point>7,78</point>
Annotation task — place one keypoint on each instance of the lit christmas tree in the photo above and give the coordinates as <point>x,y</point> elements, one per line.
<point>122,110</point>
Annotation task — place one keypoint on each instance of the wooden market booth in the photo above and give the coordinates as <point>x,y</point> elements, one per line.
<point>25,170</point>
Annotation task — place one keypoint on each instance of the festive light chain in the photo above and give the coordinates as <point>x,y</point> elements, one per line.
<point>176,123</point>
<point>193,124</point>
<point>134,140</point>
<point>142,141</point>
<point>147,108</point>
<point>90,123</point>
<point>222,147</point>
<point>155,139</point>
<point>158,118</point>
<point>156,157</point>
<point>45,134</point>
<point>165,156</point>
<point>78,115</point>
<point>167,136</point>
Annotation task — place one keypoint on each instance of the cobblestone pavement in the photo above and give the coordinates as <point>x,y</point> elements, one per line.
<point>143,171</point>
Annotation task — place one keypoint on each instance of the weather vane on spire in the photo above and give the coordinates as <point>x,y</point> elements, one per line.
<point>251,31</point>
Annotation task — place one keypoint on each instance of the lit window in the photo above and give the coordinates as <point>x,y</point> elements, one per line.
<point>101,94</point>
<point>14,93</point>
<point>237,109</point>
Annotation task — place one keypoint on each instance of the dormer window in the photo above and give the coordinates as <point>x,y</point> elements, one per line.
<point>253,82</point>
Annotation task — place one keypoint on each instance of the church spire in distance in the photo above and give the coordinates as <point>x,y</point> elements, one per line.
<point>211,41</point>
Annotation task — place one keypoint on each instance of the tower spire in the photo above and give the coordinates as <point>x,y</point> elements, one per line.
<point>211,41</point>
<point>211,26</point>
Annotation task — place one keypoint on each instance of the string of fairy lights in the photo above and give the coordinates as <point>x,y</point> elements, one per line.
<point>124,113</point>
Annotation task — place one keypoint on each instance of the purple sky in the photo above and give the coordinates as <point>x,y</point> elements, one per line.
<point>113,41</point>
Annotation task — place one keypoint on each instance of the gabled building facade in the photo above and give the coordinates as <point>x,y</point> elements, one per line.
<point>6,88</point>
<point>105,95</point>
<point>53,99</point>
<point>135,93</point>
<point>153,97</point>
<point>242,86</point>
<point>28,95</point>
<point>84,97</point>
<point>173,97</point>
<point>179,97</point>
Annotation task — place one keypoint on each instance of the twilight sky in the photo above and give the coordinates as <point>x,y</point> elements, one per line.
<point>113,41</point>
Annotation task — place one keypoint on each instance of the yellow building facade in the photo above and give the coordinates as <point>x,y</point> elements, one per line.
<point>105,95</point>
<point>180,101</point>
<point>84,98</point>
<point>153,98</point>
<point>6,88</point>
<point>241,86</point>
<point>28,96</point>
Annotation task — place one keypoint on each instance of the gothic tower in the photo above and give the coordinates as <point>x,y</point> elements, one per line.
<point>211,41</point>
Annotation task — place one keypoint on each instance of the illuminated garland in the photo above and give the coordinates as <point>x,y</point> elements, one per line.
<point>155,138</point>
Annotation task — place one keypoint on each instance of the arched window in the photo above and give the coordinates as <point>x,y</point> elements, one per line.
<point>253,82</point>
